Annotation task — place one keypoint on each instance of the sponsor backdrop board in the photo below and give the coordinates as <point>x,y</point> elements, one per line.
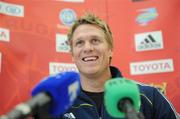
<point>33,42</point>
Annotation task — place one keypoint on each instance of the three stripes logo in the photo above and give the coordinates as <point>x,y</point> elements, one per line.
<point>69,116</point>
<point>149,41</point>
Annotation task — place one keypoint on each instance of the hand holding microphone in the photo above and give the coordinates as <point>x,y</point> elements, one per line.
<point>122,99</point>
<point>57,91</point>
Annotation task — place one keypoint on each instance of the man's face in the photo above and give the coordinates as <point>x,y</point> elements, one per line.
<point>90,50</point>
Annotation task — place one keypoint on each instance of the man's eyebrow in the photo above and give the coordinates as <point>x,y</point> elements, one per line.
<point>91,36</point>
<point>95,36</point>
<point>79,38</point>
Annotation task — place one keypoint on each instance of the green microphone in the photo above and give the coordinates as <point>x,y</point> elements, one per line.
<point>122,98</point>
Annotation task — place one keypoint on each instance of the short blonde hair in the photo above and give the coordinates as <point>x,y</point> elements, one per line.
<point>90,18</point>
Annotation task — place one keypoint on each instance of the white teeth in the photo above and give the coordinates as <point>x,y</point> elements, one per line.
<point>90,58</point>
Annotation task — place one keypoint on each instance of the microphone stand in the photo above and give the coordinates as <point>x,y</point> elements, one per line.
<point>125,105</point>
<point>24,110</point>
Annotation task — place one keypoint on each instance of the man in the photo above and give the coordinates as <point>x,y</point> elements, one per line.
<point>91,45</point>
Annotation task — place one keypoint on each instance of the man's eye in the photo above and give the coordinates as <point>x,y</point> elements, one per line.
<point>79,42</point>
<point>95,40</point>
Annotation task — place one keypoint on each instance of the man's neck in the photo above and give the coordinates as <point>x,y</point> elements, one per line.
<point>95,83</point>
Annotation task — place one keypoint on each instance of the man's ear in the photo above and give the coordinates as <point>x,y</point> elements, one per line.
<point>110,56</point>
<point>72,58</point>
<point>111,53</point>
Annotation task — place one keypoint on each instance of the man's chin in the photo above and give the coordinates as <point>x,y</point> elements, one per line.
<point>89,71</point>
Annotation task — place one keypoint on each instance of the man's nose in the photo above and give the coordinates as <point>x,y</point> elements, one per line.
<point>88,47</point>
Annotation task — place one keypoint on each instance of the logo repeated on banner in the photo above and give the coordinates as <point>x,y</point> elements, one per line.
<point>11,9</point>
<point>71,0</point>
<point>0,61</point>
<point>146,15</point>
<point>149,41</point>
<point>67,16</point>
<point>62,43</point>
<point>55,67</point>
<point>4,35</point>
<point>154,66</point>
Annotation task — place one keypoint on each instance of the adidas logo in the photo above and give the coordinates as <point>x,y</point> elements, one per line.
<point>148,41</point>
<point>69,115</point>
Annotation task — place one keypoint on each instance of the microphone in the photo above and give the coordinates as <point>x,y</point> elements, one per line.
<point>57,91</point>
<point>122,99</point>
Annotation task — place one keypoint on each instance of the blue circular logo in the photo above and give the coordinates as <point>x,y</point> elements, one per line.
<point>67,16</point>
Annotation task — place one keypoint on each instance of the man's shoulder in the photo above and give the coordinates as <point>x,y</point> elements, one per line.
<point>147,92</point>
<point>144,88</point>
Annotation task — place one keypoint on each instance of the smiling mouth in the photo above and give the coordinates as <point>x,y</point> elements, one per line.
<point>90,58</point>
